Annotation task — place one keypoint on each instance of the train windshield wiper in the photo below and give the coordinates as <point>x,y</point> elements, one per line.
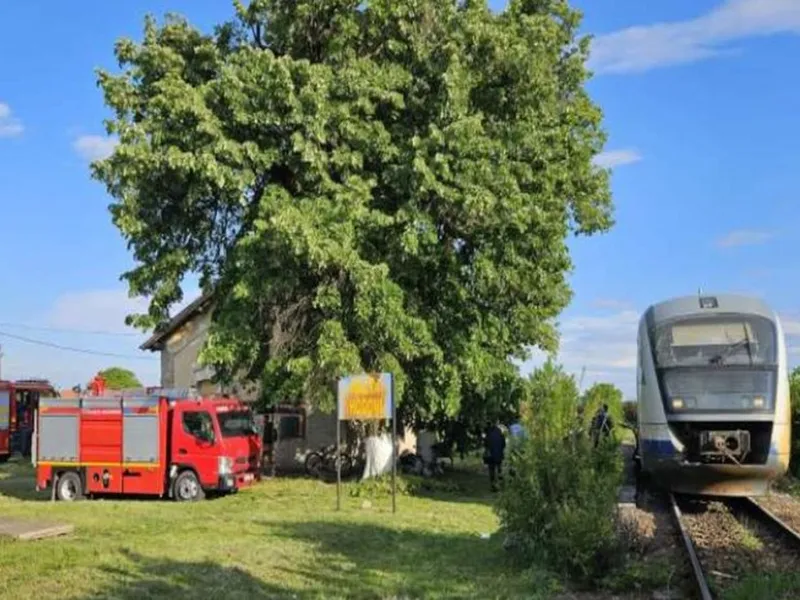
<point>719,359</point>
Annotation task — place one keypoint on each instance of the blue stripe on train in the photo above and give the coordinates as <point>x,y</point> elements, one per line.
<point>656,447</point>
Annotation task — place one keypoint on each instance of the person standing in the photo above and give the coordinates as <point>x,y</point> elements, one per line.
<point>601,424</point>
<point>495,447</point>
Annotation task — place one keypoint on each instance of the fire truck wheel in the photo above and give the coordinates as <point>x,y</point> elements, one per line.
<point>69,487</point>
<point>187,488</point>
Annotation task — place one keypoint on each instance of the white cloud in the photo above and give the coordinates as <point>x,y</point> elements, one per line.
<point>605,346</point>
<point>617,158</point>
<point>103,310</point>
<point>94,147</point>
<point>744,237</point>
<point>791,331</point>
<point>75,320</point>
<point>94,310</point>
<point>645,47</point>
<point>10,126</point>
<point>791,327</point>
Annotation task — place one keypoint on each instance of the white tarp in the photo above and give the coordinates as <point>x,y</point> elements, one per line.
<point>425,442</point>
<point>378,451</point>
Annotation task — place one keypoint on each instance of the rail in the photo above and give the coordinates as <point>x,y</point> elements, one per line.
<point>769,518</point>
<point>697,569</point>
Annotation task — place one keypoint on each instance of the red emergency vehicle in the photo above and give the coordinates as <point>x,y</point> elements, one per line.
<point>19,401</point>
<point>161,444</point>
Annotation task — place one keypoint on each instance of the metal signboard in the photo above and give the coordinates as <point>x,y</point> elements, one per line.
<point>366,397</point>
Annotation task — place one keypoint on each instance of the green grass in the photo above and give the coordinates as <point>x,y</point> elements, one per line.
<point>788,484</point>
<point>280,539</point>
<point>775,586</point>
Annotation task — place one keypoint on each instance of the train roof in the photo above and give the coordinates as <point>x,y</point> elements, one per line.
<point>685,306</point>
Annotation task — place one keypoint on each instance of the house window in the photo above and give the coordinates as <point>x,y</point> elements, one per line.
<point>290,426</point>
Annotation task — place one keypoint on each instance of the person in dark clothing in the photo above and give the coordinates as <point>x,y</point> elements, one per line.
<point>495,447</point>
<point>601,424</point>
<point>460,436</point>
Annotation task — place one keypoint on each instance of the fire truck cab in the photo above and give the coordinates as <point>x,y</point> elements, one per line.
<point>162,444</point>
<point>19,401</point>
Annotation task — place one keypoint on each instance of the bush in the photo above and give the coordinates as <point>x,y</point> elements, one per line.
<point>558,507</point>
<point>406,485</point>
<point>794,386</point>
<point>629,412</point>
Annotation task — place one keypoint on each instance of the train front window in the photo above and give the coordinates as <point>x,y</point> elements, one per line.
<point>719,363</point>
<point>743,340</point>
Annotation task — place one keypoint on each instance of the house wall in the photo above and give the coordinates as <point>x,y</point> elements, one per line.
<point>179,356</point>
<point>320,431</point>
<point>179,368</point>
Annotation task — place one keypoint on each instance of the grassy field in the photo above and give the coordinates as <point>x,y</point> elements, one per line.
<point>281,539</point>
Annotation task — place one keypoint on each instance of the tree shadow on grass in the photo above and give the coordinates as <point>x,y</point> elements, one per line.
<point>163,578</point>
<point>461,484</point>
<point>359,560</point>
<point>18,480</point>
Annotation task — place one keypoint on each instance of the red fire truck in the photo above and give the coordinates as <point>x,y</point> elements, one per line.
<point>154,442</point>
<point>19,401</point>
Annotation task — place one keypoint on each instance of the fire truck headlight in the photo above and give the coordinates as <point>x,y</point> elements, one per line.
<point>225,465</point>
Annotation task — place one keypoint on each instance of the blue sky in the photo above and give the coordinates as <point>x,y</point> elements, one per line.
<point>701,108</point>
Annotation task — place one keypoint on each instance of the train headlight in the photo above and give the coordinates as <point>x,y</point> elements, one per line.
<point>677,403</point>
<point>758,402</point>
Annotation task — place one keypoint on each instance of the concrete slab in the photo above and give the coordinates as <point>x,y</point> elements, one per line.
<point>33,530</point>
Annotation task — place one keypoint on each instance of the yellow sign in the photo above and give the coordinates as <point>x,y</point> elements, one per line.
<point>365,397</point>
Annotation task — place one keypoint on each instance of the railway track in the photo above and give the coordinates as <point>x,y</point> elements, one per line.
<point>698,574</point>
<point>742,510</point>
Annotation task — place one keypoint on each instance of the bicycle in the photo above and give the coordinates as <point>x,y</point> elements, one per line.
<point>323,462</point>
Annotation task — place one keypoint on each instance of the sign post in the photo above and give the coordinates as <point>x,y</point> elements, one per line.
<point>394,450</point>
<point>361,398</point>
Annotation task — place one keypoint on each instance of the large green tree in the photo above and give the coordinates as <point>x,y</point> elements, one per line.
<point>377,185</point>
<point>119,378</point>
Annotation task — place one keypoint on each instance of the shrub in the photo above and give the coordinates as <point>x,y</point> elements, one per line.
<point>794,386</point>
<point>558,505</point>
<point>629,412</point>
<point>406,485</point>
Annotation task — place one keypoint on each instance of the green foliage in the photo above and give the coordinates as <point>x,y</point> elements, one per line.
<point>406,485</point>
<point>643,574</point>
<point>558,505</point>
<point>794,387</point>
<point>118,378</point>
<point>765,585</point>
<point>595,397</point>
<point>630,412</point>
<point>386,184</point>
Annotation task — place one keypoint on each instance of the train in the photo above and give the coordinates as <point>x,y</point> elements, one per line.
<point>713,414</point>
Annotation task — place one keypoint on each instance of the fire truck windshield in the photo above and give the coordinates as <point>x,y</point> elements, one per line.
<point>236,423</point>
